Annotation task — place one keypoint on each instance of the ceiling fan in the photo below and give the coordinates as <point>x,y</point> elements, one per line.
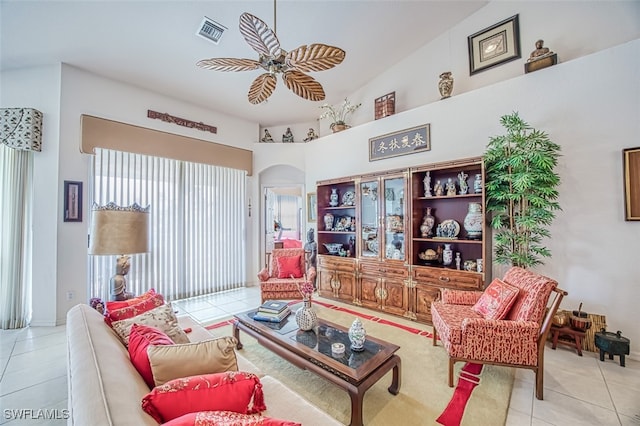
<point>275,60</point>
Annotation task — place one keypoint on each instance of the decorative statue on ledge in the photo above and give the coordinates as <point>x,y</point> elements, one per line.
<point>288,136</point>
<point>267,136</point>
<point>119,282</point>
<point>311,135</point>
<point>540,52</point>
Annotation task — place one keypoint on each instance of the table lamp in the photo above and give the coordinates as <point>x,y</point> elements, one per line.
<point>119,231</point>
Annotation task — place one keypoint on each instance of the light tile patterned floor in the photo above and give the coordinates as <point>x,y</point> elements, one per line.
<point>578,390</point>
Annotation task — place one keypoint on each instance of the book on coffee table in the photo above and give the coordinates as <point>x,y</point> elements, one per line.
<point>270,317</point>
<point>273,306</point>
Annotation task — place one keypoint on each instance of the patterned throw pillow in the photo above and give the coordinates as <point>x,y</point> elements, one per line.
<point>192,359</point>
<point>134,310</point>
<point>112,306</point>
<point>288,266</point>
<point>140,338</point>
<point>227,418</point>
<point>161,317</point>
<point>231,391</point>
<point>496,300</point>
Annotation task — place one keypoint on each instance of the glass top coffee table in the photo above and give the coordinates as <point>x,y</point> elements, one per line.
<point>353,371</point>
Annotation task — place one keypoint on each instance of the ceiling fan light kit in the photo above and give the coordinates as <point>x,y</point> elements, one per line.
<point>274,60</point>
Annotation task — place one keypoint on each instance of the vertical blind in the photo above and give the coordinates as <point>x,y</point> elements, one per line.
<point>197,224</point>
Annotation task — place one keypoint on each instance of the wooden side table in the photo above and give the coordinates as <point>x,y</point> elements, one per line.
<point>567,336</point>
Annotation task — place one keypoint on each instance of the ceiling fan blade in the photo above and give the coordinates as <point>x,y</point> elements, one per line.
<point>261,88</point>
<point>315,57</point>
<point>303,85</point>
<point>228,64</point>
<point>259,36</point>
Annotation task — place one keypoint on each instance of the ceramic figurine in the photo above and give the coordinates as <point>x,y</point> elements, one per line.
<point>451,187</point>
<point>267,136</point>
<point>288,136</point>
<point>462,181</point>
<point>427,184</point>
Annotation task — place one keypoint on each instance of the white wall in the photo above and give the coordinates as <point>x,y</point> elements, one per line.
<point>590,107</point>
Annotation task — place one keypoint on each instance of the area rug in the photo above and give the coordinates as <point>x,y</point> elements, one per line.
<point>481,398</point>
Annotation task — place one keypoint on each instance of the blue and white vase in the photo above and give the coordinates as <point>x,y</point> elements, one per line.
<point>357,335</point>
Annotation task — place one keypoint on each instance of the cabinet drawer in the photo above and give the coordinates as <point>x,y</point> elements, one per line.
<point>388,270</point>
<point>448,278</point>
<point>335,263</point>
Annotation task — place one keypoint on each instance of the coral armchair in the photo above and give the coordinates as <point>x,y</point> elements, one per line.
<point>275,279</point>
<point>518,340</point>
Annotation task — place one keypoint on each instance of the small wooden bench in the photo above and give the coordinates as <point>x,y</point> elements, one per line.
<point>567,336</point>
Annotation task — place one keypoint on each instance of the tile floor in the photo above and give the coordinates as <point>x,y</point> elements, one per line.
<point>578,390</point>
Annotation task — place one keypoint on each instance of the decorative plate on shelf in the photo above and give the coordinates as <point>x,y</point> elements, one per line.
<point>449,228</point>
<point>348,198</point>
<point>372,245</point>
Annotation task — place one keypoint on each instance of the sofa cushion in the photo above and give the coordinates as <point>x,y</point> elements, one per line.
<point>140,338</point>
<point>227,418</point>
<point>161,317</point>
<point>170,362</point>
<point>134,310</point>
<point>534,294</point>
<point>289,266</point>
<point>496,300</point>
<point>119,304</point>
<point>230,391</point>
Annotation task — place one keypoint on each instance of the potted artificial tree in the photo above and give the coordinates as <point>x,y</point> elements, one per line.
<point>521,191</point>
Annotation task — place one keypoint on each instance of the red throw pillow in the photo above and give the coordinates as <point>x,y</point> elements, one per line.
<point>114,305</point>
<point>496,300</point>
<point>140,338</point>
<point>227,418</point>
<point>288,266</point>
<point>230,391</point>
<point>134,310</point>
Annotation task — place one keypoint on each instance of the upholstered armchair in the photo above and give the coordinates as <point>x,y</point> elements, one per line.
<point>275,279</point>
<point>506,325</point>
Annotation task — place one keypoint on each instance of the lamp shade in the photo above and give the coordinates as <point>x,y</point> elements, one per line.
<point>21,128</point>
<point>119,230</point>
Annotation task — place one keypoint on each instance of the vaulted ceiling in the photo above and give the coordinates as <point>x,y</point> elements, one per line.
<point>153,44</point>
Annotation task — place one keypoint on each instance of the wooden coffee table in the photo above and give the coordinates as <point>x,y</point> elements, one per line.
<point>354,372</point>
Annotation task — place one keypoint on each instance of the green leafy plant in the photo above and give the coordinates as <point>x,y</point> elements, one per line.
<point>521,191</point>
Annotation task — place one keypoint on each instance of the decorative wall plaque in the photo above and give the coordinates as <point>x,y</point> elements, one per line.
<point>385,106</point>
<point>409,141</point>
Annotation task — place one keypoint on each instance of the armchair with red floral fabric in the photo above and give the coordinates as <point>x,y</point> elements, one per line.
<point>276,280</point>
<point>504,325</point>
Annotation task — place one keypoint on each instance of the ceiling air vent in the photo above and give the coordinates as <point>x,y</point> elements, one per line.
<point>211,30</point>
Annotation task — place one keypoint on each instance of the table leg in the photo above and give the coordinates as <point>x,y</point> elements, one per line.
<point>556,334</point>
<point>601,355</point>
<point>356,407</point>
<point>622,360</point>
<point>579,344</point>
<point>395,382</point>
<point>236,334</point>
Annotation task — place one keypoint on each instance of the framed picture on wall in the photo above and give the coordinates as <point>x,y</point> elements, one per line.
<point>495,45</point>
<point>631,161</point>
<point>312,206</point>
<point>72,201</point>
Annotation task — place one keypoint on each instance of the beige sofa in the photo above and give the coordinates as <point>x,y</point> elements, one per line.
<point>105,388</point>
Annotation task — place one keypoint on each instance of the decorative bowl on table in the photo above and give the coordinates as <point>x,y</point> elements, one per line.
<point>333,248</point>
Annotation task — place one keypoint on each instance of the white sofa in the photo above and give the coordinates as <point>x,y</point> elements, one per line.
<point>105,388</point>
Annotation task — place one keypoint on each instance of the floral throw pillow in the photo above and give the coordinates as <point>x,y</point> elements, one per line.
<point>134,310</point>
<point>235,391</point>
<point>288,266</point>
<point>113,305</point>
<point>161,317</point>
<point>496,300</point>
<point>227,418</point>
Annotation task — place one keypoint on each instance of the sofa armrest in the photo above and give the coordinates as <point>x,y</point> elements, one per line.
<point>263,275</point>
<point>459,297</point>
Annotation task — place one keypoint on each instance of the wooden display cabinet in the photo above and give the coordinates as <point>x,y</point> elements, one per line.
<point>379,266</point>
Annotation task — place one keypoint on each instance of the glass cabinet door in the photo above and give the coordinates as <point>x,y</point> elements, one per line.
<point>369,219</point>
<point>393,205</point>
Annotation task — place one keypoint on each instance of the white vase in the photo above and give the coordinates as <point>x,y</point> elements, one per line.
<point>473,221</point>
<point>477,184</point>
<point>306,317</point>
<point>447,255</point>
<point>328,221</point>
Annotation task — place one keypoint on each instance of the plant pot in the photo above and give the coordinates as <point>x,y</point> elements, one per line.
<point>338,127</point>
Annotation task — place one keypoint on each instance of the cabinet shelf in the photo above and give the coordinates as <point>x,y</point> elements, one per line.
<point>445,197</point>
<point>338,208</point>
<point>446,241</point>
<point>337,232</point>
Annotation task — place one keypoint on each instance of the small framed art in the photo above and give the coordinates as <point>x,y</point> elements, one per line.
<point>312,206</point>
<point>72,201</point>
<point>495,45</point>
<point>631,160</point>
